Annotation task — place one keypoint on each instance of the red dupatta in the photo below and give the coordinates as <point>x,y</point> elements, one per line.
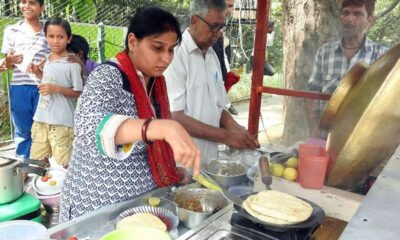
<point>160,154</point>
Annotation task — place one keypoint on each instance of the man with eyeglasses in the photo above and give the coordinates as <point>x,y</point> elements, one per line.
<point>195,86</point>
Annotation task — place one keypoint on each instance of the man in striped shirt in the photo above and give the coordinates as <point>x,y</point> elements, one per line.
<point>24,43</point>
<point>334,59</point>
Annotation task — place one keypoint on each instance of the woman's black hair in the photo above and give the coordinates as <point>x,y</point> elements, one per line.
<point>152,21</point>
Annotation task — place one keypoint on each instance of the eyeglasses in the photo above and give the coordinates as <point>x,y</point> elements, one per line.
<point>214,27</point>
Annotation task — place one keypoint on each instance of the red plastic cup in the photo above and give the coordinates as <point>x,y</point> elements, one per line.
<point>313,164</point>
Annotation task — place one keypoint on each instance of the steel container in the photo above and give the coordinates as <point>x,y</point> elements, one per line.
<point>11,180</point>
<point>210,201</point>
<point>226,173</point>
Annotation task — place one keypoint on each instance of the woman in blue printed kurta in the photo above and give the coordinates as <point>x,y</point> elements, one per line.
<point>116,154</point>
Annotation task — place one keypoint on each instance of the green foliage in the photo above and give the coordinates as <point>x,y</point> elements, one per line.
<point>241,90</point>
<point>246,31</point>
<point>386,29</point>
<point>176,3</point>
<point>275,52</point>
<point>5,22</point>
<point>114,39</point>
<point>86,9</point>
<point>5,125</point>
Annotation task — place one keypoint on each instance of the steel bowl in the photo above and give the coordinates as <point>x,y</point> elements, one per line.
<point>226,173</point>
<point>210,200</point>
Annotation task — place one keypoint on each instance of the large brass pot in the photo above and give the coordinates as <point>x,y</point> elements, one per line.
<point>363,119</point>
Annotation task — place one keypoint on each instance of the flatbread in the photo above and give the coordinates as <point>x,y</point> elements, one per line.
<point>142,219</point>
<point>277,207</point>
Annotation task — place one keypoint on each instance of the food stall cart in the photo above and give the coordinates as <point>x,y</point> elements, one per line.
<point>369,217</point>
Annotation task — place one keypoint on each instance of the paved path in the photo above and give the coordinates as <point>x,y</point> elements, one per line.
<point>271,120</point>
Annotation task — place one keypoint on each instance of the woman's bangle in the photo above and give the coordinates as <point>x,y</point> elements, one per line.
<point>144,131</point>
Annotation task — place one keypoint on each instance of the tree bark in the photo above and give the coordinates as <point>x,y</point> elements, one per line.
<point>307,25</point>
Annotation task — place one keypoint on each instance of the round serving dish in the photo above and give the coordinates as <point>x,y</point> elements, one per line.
<point>52,185</point>
<point>167,216</point>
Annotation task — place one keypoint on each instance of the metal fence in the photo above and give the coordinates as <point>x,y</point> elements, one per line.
<point>106,33</point>
<point>105,40</point>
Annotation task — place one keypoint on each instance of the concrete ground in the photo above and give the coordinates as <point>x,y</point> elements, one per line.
<point>271,120</point>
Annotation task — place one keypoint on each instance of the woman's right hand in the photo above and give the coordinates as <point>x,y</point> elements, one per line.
<point>185,150</point>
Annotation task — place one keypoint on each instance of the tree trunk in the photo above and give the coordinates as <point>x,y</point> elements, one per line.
<point>307,25</point>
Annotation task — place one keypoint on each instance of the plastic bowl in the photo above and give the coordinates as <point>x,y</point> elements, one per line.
<point>22,230</point>
<point>137,233</point>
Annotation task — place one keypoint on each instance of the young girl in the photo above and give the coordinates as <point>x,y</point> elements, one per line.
<point>52,130</point>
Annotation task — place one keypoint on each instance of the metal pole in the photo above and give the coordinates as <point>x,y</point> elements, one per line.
<point>9,104</point>
<point>260,43</point>
<point>101,42</point>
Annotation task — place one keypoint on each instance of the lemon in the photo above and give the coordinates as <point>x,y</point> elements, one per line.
<point>154,201</point>
<point>277,170</point>
<point>290,174</point>
<point>292,162</point>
